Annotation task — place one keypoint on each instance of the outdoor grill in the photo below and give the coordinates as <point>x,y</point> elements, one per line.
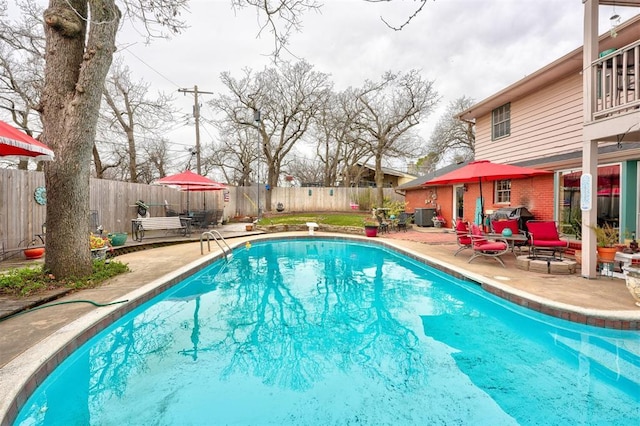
<point>521,213</point>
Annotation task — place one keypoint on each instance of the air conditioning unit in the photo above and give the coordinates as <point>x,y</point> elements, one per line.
<point>424,217</point>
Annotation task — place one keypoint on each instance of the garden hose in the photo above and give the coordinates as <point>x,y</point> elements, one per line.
<point>99,305</point>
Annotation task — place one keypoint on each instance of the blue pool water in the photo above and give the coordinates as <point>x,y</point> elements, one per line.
<point>326,332</point>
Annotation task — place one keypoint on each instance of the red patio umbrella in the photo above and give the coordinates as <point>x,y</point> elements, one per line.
<point>190,181</point>
<point>484,171</point>
<point>14,143</point>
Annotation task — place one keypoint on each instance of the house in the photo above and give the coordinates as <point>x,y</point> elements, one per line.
<point>578,116</point>
<point>444,201</point>
<point>366,176</point>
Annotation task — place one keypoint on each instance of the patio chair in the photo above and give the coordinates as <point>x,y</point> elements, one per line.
<point>462,236</point>
<point>383,225</point>
<point>498,226</point>
<point>402,221</point>
<point>544,236</point>
<point>482,247</point>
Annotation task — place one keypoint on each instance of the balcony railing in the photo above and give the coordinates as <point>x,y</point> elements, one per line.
<point>616,86</point>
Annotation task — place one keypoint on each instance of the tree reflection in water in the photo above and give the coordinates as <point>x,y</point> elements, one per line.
<point>289,314</point>
<point>294,318</point>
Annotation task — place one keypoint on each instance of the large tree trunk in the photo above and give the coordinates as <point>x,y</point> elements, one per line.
<point>74,79</point>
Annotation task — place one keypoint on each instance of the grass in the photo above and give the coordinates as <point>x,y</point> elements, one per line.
<point>33,280</point>
<point>335,219</point>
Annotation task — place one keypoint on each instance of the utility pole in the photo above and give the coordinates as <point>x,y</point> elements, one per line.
<point>196,115</point>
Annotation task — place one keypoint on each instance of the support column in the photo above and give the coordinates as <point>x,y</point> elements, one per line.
<point>589,217</point>
<point>589,147</point>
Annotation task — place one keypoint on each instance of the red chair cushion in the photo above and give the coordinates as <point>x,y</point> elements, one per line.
<point>499,225</point>
<point>477,232</point>
<point>543,230</point>
<point>462,232</point>
<point>551,243</point>
<point>492,246</point>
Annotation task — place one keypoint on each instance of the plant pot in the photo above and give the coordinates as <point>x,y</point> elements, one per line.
<point>632,278</point>
<point>371,231</point>
<point>607,254</point>
<point>249,227</point>
<point>118,238</point>
<point>99,253</point>
<point>34,253</point>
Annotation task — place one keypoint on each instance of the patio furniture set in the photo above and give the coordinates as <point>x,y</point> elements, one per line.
<point>392,223</point>
<point>539,237</point>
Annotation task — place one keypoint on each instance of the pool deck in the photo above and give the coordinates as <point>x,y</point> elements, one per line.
<point>32,339</point>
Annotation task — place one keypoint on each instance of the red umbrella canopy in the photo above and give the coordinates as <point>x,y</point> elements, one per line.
<point>188,179</point>
<point>484,171</point>
<point>14,143</point>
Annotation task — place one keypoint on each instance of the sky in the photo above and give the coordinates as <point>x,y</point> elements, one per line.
<point>471,48</point>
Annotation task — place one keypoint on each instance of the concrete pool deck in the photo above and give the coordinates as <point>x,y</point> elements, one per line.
<point>30,343</point>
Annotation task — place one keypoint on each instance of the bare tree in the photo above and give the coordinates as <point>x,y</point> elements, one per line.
<point>287,98</point>
<point>134,115</point>
<point>235,154</point>
<point>280,18</point>
<point>391,107</point>
<point>453,138</point>
<point>80,42</point>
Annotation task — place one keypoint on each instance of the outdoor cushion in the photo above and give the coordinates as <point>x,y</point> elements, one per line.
<point>543,230</point>
<point>550,243</point>
<point>499,225</point>
<point>462,236</point>
<point>491,246</point>
<point>477,232</point>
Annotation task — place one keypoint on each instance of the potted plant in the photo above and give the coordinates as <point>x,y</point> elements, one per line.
<point>370,227</point>
<point>438,221</point>
<point>99,246</point>
<point>606,239</point>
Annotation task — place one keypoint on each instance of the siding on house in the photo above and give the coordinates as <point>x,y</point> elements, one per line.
<point>549,118</point>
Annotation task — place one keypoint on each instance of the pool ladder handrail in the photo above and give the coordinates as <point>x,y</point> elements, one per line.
<point>216,236</point>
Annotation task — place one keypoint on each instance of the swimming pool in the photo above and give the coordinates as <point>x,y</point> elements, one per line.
<point>336,332</point>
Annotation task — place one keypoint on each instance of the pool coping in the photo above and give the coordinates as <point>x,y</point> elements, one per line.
<point>22,375</point>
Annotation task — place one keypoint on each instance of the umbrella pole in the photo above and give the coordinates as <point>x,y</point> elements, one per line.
<point>481,206</point>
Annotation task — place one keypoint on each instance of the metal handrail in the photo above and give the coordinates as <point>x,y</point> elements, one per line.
<point>216,236</point>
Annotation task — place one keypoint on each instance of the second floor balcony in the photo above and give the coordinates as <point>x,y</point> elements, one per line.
<point>616,81</point>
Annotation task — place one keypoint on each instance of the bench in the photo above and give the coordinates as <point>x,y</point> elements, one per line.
<point>142,224</point>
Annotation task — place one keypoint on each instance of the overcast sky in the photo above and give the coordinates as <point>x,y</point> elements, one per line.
<point>468,47</point>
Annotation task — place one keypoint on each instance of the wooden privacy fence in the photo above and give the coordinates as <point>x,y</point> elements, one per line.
<point>112,203</point>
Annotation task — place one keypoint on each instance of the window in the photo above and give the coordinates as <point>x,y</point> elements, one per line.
<point>503,191</point>
<point>501,121</point>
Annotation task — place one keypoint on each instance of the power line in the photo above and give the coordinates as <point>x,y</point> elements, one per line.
<point>151,68</point>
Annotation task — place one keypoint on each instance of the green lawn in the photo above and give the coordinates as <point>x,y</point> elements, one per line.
<point>324,218</point>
